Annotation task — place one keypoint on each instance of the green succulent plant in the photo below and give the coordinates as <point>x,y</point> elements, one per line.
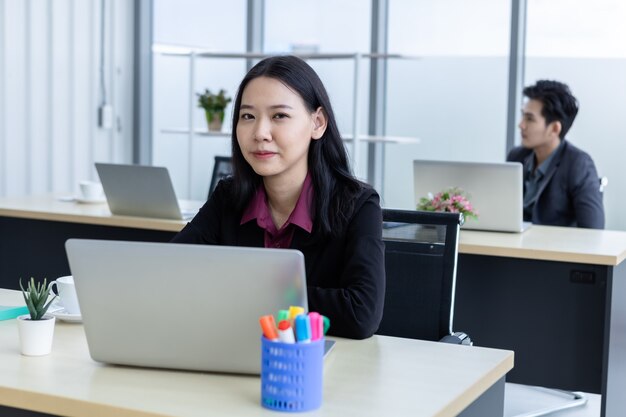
<point>213,102</point>
<point>35,297</point>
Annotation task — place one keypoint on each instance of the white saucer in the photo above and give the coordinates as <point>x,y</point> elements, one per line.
<point>82,200</point>
<point>65,316</point>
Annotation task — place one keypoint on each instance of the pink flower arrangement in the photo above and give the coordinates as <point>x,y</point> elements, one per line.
<point>452,200</point>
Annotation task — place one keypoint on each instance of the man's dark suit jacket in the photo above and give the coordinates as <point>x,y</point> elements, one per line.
<point>569,194</point>
<point>345,274</point>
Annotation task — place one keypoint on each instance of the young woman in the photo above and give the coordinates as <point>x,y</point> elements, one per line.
<point>292,188</point>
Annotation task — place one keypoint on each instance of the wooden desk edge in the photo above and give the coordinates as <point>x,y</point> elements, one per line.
<point>64,406</point>
<point>535,254</point>
<point>116,221</point>
<point>474,392</point>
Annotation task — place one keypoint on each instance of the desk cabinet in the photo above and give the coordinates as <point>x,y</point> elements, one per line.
<point>565,321</point>
<point>36,248</point>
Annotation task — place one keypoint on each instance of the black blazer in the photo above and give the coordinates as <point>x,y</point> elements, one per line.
<point>570,193</point>
<point>345,275</point>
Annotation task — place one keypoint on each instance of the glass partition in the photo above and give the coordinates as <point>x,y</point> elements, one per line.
<point>453,97</point>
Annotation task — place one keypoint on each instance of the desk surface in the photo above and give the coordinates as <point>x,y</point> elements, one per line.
<point>378,376</point>
<point>49,207</point>
<point>564,244</point>
<point>550,243</point>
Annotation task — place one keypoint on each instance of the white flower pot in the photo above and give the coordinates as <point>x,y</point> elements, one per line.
<point>35,335</point>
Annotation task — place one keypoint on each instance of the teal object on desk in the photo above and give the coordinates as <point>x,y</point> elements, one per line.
<point>11,312</point>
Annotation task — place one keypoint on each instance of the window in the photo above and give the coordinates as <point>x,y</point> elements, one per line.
<point>454,95</point>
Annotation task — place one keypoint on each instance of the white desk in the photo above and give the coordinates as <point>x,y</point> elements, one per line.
<point>49,207</point>
<point>549,243</point>
<point>565,244</point>
<point>374,377</point>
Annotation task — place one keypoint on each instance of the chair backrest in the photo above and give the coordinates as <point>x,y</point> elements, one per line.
<point>421,250</point>
<point>222,168</point>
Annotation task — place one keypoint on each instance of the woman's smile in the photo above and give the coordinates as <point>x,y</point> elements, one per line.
<point>263,154</point>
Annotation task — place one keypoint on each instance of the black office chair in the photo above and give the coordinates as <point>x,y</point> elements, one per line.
<point>222,168</point>
<point>421,250</point>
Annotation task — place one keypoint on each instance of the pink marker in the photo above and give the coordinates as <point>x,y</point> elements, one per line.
<point>317,326</point>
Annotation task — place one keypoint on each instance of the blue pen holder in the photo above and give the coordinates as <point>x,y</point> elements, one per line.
<point>291,375</point>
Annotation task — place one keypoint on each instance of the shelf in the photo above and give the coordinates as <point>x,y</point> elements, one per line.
<point>199,132</point>
<point>169,50</point>
<point>384,139</point>
<point>195,54</point>
<point>346,138</point>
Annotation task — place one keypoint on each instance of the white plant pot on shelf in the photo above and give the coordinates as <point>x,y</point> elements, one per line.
<point>35,335</point>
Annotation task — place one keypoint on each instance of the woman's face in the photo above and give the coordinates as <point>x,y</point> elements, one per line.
<point>275,129</point>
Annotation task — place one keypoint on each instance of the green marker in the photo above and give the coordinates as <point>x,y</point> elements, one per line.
<point>326,323</point>
<point>282,315</point>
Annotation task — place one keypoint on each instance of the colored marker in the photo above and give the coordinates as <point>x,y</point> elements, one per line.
<point>317,325</point>
<point>282,315</point>
<point>326,323</point>
<point>303,329</point>
<point>285,332</point>
<point>295,311</point>
<point>268,325</point>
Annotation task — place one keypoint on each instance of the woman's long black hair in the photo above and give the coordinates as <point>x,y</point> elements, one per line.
<point>333,183</point>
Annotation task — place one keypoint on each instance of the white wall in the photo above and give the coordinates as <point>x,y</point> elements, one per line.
<point>455,105</point>
<point>184,23</point>
<point>50,92</point>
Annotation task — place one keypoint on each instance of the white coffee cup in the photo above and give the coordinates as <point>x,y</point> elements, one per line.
<point>67,293</point>
<point>91,190</point>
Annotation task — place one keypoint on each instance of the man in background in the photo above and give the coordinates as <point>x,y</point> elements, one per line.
<point>561,184</point>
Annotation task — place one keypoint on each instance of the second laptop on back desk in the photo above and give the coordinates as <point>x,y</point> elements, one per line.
<point>144,191</point>
<point>495,190</point>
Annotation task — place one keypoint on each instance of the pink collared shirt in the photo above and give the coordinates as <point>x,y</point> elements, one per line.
<point>258,209</point>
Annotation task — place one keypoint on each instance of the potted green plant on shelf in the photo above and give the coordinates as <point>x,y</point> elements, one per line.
<point>214,106</point>
<point>36,329</point>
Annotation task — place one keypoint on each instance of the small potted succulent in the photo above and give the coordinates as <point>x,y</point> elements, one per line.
<point>36,328</point>
<point>214,106</point>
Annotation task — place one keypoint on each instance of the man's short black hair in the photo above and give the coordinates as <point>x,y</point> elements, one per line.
<point>558,102</point>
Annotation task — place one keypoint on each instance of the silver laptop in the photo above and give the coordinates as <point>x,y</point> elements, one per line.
<point>138,190</point>
<point>495,189</point>
<point>191,307</point>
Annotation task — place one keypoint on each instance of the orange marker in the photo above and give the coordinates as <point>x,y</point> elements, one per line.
<point>268,325</point>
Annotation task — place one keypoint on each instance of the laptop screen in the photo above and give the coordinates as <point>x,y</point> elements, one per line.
<point>494,189</point>
<point>181,306</point>
<point>137,190</point>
